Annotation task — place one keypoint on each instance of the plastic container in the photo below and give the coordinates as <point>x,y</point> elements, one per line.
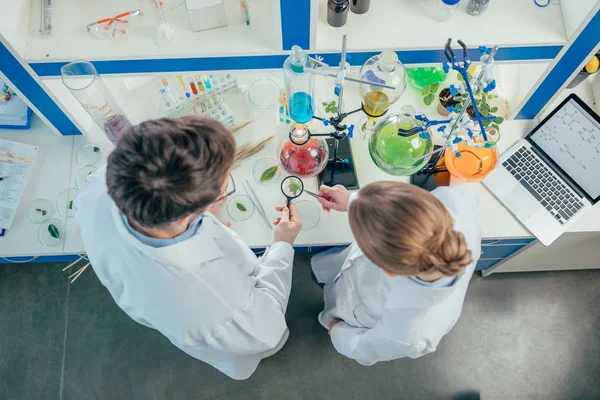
<point>83,81</point>
<point>395,153</point>
<point>445,9</point>
<point>474,163</point>
<point>299,86</point>
<point>337,12</point>
<point>476,7</point>
<point>305,156</point>
<point>39,210</point>
<point>240,207</point>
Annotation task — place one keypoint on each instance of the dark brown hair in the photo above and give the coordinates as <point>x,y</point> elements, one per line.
<point>406,230</point>
<point>167,169</point>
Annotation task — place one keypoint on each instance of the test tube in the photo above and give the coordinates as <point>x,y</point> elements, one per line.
<point>245,12</point>
<point>46,22</point>
<point>164,33</point>
<point>192,84</point>
<point>199,83</point>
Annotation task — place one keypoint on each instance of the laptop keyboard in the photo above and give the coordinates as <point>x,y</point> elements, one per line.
<point>554,195</point>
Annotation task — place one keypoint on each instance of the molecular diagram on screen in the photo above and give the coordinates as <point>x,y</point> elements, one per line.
<point>565,149</point>
<point>587,135</point>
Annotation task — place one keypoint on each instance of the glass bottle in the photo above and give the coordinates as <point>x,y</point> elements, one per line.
<point>473,164</point>
<point>395,152</point>
<point>305,156</point>
<point>337,12</point>
<point>384,68</point>
<point>299,86</point>
<point>446,9</point>
<point>359,6</point>
<point>476,7</point>
<point>83,81</point>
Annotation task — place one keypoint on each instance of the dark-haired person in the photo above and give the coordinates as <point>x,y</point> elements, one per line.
<point>170,264</point>
<point>400,287</point>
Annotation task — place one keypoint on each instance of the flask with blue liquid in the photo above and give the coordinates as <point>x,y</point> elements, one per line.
<point>299,86</point>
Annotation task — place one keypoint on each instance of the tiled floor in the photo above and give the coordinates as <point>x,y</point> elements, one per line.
<point>533,335</point>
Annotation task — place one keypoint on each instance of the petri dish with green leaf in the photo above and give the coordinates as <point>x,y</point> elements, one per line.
<point>266,170</point>
<point>51,232</point>
<point>240,207</point>
<point>88,154</point>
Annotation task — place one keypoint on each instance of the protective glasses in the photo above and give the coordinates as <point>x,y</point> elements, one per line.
<point>116,27</point>
<point>229,190</point>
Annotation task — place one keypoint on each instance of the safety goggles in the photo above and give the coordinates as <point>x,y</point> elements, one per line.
<point>116,27</point>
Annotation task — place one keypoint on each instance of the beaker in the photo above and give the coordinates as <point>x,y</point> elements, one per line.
<point>302,155</point>
<point>398,153</point>
<point>299,86</point>
<point>473,164</point>
<point>83,81</point>
<point>385,69</point>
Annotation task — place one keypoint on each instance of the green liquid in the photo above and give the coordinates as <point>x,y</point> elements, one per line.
<point>395,154</point>
<point>422,76</point>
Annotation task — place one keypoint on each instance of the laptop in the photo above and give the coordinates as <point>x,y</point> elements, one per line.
<point>552,177</point>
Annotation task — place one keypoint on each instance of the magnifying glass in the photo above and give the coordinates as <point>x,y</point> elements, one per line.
<point>292,187</point>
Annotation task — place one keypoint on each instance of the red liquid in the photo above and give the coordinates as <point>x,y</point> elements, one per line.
<point>302,160</point>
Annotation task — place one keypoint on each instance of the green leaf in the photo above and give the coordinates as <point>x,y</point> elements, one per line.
<point>460,78</point>
<point>269,173</point>
<point>435,87</point>
<point>494,109</point>
<point>499,120</point>
<point>96,149</point>
<point>428,100</point>
<point>53,231</point>
<point>425,90</point>
<point>294,186</point>
<point>325,104</point>
<point>70,205</point>
<point>240,207</point>
<point>487,123</point>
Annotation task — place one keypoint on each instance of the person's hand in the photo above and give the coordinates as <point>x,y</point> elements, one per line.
<point>288,225</point>
<point>334,198</point>
<point>215,207</point>
<point>333,323</point>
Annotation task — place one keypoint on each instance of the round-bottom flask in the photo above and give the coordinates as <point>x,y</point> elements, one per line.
<point>302,155</point>
<point>474,163</point>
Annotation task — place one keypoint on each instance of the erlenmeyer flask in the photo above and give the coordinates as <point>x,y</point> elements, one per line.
<point>82,79</point>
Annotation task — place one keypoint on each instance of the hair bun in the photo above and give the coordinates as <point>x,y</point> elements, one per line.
<point>453,253</point>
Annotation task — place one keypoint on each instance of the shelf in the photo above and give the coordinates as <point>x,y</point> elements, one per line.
<point>408,24</point>
<point>70,40</point>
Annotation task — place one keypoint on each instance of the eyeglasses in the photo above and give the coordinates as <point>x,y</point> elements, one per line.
<point>116,27</point>
<point>229,190</point>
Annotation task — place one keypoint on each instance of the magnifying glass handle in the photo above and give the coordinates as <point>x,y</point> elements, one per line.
<point>288,202</point>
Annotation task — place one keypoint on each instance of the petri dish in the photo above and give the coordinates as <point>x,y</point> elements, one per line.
<point>39,210</point>
<point>82,175</point>
<point>328,106</point>
<point>51,233</point>
<point>240,207</point>
<point>65,200</point>
<point>310,214</point>
<point>264,93</point>
<point>88,154</point>
<point>266,170</point>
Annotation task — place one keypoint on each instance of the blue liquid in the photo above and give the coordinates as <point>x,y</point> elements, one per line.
<point>301,107</point>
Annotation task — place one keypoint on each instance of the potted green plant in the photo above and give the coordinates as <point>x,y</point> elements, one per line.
<point>446,99</point>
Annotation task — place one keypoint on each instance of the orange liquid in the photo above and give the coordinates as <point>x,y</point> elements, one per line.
<point>474,163</point>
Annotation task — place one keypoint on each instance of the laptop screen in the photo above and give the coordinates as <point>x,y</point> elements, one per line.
<point>571,138</point>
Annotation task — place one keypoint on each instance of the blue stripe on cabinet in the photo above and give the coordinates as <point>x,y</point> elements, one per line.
<point>581,47</point>
<point>32,259</point>
<point>295,23</point>
<point>167,65</point>
<point>12,68</point>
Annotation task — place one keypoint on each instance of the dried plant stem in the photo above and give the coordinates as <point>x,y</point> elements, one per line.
<point>73,263</point>
<point>240,127</point>
<point>79,272</point>
<point>248,150</point>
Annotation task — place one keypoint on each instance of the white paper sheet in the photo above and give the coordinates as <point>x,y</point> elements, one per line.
<point>15,162</point>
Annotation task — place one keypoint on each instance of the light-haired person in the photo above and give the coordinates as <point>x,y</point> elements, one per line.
<point>148,226</point>
<point>400,287</point>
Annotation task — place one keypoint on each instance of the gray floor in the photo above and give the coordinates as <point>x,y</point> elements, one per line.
<point>530,335</point>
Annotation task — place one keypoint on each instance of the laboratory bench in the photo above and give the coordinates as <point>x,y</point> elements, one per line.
<point>56,166</point>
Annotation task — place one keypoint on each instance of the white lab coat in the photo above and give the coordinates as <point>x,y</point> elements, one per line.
<point>209,295</point>
<point>387,318</point>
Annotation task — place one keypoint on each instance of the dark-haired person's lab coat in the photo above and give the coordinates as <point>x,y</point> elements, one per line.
<point>209,294</point>
<point>393,317</point>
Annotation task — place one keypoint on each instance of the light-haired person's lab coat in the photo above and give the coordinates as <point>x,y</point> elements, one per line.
<point>387,318</point>
<point>209,295</point>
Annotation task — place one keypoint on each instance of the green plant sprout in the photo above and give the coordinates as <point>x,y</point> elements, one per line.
<point>40,211</point>
<point>330,107</point>
<point>70,205</point>
<point>269,173</point>
<point>96,149</point>
<point>241,207</point>
<point>482,99</point>
<point>294,186</point>
<point>53,230</point>
<point>429,93</point>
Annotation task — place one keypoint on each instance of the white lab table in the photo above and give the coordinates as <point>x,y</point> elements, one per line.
<point>56,166</point>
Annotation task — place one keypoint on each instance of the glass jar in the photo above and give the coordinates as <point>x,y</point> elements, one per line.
<point>359,6</point>
<point>305,156</point>
<point>446,9</point>
<point>420,77</point>
<point>474,163</point>
<point>386,69</point>
<point>393,151</point>
<point>337,12</point>
<point>476,7</point>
